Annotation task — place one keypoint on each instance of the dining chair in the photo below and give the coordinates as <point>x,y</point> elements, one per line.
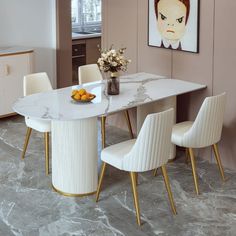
<point>149,151</point>
<point>91,73</point>
<point>205,131</point>
<point>36,83</point>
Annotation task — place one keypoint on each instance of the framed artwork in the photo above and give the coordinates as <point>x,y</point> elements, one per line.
<point>174,24</point>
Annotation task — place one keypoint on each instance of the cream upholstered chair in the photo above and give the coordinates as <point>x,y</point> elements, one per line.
<point>91,73</point>
<point>149,151</point>
<point>36,83</point>
<point>203,132</point>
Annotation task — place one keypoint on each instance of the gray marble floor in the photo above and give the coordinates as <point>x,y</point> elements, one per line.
<point>29,206</point>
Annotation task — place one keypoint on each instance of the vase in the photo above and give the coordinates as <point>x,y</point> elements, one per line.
<point>113,84</point>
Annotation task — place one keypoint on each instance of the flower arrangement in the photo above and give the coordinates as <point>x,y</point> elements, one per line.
<point>113,60</point>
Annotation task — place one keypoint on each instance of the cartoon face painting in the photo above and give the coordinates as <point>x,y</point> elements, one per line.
<point>172,17</point>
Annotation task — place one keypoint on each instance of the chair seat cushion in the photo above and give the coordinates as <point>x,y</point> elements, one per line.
<point>39,125</point>
<point>114,155</point>
<point>178,132</point>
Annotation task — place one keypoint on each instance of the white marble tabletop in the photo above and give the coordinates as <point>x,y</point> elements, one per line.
<point>135,90</point>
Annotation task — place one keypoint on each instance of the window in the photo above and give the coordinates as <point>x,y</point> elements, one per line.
<point>85,12</point>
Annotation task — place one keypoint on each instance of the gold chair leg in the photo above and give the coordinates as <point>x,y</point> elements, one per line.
<point>100,180</point>
<point>103,130</point>
<point>167,184</point>
<point>28,133</point>
<point>218,160</point>
<point>46,140</point>
<point>155,172</point>
<point>129,123</point>
<point>135,195</point>
<point>194,170</point>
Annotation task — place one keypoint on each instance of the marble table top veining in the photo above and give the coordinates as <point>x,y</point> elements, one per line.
<point>136,89</point>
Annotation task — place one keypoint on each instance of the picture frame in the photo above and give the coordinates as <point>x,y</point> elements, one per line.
<point>174,24</point>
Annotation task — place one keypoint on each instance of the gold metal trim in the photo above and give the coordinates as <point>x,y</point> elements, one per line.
<point>72,194</point>
<point>100,180</point>
<point>155,172</point>
<point>127,117</point>
<point>218,160</point>
<point>27,137</point>
<point>135,196</point>
<point>114,74</point>
<point>195,178</point>
<point>167,184</point>
<point>103,130</point>
<point>46,142</point>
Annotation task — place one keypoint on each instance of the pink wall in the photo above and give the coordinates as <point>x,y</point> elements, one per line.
<point>125,24</point>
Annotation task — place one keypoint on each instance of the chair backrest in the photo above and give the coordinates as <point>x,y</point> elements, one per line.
<point>36,83</point>
<point>207,127</point>
<point>152,147</point>
<point>89,73</point>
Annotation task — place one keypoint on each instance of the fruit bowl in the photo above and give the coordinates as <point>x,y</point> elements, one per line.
<point>84,100</point>
<point>82,96</point>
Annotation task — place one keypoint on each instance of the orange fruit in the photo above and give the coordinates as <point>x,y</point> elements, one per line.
<point>77,96</point>
<point>74,92</point>
<point>82,92</point>
<point>84,97</point>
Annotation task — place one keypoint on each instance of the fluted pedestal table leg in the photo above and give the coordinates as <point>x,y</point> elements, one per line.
<point>74,157</point>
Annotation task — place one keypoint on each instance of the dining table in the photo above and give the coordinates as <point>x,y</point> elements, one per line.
<point>74,125</point>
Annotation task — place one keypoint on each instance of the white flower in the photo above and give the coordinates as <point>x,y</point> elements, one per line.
<point>113,59</point>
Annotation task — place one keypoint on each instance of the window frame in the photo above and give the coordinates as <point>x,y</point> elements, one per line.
<point>84,23</point>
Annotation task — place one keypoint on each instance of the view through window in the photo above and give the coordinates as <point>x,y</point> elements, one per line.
<point>85,12</point>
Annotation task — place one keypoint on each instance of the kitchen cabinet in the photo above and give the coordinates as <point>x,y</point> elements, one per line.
<point>84,51</point>
<point>14,64</point>
<point>92,50</point>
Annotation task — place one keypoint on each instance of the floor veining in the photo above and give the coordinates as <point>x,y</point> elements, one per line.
<point>29,206</point>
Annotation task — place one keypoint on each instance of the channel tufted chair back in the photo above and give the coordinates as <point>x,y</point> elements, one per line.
<point>89,73</point>
<point>152,147</point>
<point>207,127</point>
<point>36,83</point>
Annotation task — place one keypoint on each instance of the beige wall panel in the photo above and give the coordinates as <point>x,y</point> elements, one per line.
<point>121,28</point>
<point>224,74</point>
<point>151,59</point>
<point>197,67</point>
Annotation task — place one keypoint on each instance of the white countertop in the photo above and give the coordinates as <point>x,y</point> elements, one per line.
<point>136,89</point>
<point>14,50</point>
<point>85,36</point>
